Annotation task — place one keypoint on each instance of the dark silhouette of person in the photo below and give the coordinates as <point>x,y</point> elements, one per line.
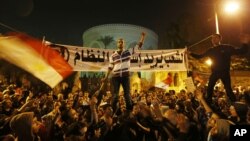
<point>77,56</point>
<point>220,55</point>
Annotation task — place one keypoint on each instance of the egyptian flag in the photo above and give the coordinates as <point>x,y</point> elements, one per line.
<point>31,55</point>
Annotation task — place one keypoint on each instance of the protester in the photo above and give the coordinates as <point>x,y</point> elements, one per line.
<point>156,115</point>
<point>119,66</point>
<point>220,55</point>
<point>22,125</point>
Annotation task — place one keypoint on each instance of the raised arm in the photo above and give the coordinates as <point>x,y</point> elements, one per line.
<point>197,56</point>
<point>110,68</point>
<point>208,109</point>
<point>142,38</point>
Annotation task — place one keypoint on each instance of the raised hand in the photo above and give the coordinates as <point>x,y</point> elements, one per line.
<point>198,94</point>
<point>143,33</point>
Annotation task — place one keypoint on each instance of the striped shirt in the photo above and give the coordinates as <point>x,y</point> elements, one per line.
<point>120,62</point>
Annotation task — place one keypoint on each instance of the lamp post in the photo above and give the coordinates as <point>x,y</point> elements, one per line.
<point>216,23</point>
<point>230,7</point>
<point>217,30</point>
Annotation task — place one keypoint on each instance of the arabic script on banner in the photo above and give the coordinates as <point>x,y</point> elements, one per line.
<point>94,59</point>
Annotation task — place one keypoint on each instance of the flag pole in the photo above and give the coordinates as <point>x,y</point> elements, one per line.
<point>8,27</point>
<point>189,47</point>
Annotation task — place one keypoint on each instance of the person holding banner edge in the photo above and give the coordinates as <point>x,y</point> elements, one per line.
<point>119,65</point>
<point>220,54</point>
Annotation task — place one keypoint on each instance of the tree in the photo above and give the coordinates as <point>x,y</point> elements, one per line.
<point>173,36</point>
<point>106,40</point>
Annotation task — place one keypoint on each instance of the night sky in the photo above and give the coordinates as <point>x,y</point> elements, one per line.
<point>64,21</point>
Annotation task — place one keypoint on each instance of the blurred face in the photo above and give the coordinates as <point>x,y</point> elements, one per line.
<point>143,99</point>
<point>149,98</point>
<point>109,111</point>
<point>145,112</point>
<point>8,103</point>
<point>211,122</point>
<point>57,106</point>
<point>100,112</point>
<point>60,96</point>
<point>69,103</point>
<point>84,130</point>
<point>232,111</point>
<point>136,109</point>
<point>74,115</point>
<point>6,96</point>
<point>123,108</point>
<point>30,94</point>
<point>98,132</point>
<point>216,40</point>
<point>109,94</point>
<point>177,107</point>
<point>50,97</point>
<point>86,94</point>
<point>120,44</point>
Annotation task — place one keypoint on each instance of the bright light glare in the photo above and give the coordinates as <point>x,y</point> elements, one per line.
<point>232,7</point>
<point>209,62</point>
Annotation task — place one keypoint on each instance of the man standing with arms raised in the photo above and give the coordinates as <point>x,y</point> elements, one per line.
<point>220,54</point>
<point>119,65</point>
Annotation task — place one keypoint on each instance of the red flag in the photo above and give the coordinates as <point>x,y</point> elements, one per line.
<point>31,55</point>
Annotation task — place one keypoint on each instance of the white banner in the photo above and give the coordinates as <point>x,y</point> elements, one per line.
<point>95,59</point>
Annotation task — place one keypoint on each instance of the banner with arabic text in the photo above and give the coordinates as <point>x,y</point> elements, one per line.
<point>95,59</point>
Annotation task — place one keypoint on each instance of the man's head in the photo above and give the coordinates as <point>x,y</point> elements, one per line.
<point>216,39</point>
<point>120,44</point>
<point>22,125</point>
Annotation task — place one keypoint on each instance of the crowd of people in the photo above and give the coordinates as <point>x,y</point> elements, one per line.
<point>73,114</point>
<point>69,113</point>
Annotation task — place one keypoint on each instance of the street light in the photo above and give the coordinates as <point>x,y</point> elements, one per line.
<point>230,7</point>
